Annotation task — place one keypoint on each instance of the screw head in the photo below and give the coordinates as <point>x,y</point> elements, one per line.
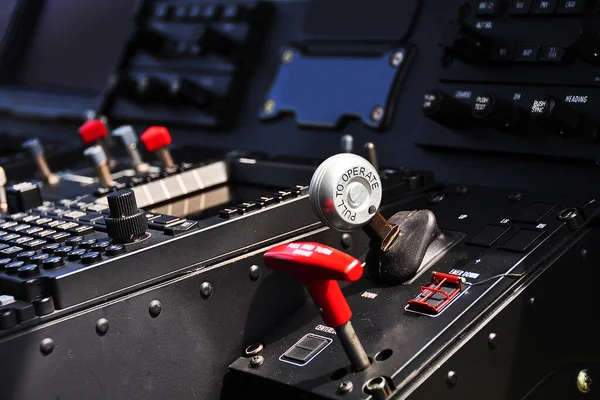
<point>377,114</point>
<point>515,196</point>
<point>287,56</point>
<point>269,106</point>
<point>102,326</point>
<point>493,340</point>
<point>47,346</point>
<point>345,387</point>
<point>584,381</point>
<point>155,308</point>
<point>531,302</point>
<point>567,214</point>
<point>584,255</point>
<point>346,240</point>
<point>206,290</point>
<point>89,114</point>
<point>462,190</point>
<point>437,197</point>
<point>256,361</point>
<point>254,272</point>
<point>572,217</point>
<point>451,378</point>
<point>397,59</point>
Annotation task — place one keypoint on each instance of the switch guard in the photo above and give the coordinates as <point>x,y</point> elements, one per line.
<point>438,294</point>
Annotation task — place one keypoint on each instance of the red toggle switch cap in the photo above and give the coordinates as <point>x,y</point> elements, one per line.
<point>92,131</point>
<point>156,137</point>
<point>318,267</point>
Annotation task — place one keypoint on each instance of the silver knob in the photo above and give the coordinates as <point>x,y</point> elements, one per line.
<point>345,192</point>
<point>34,147</point>
<point>347,144</point>
<point>99,160</point>
<point>128,139</point>
<point>3,201</point>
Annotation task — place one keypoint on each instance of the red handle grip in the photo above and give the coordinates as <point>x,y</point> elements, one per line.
<point>318,267</point>
<point>92,131</point>
<point>156,137</point>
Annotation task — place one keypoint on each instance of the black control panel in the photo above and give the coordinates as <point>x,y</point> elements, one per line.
<point>305,199</point>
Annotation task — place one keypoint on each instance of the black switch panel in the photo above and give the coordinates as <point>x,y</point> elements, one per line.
<point>488,235</point>
<point>190,63</point>
<point>521,241</point>
<point>535,212</point>
<point>520,7</point>
<point>571,6</point>
<point>488,8</point>
<point>383,20</point>
<point>540,55</point>
<point>544,6</point>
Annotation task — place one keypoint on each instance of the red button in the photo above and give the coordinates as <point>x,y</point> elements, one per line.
<point>92,131</point>
<point>156,137</point>
<point>318,267</point>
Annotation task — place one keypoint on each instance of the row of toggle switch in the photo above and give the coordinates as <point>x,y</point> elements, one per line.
<point>492,8</point>
<point>95,135</point>
<point>503,115</point>
<point>472,46</point>
<point>201,93</point>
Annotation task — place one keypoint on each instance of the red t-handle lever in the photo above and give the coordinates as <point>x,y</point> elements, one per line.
<point>318,267</point>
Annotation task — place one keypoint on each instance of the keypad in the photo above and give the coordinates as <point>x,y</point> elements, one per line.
<point>28,271</point>
<point>53,240</point>
<point>74,241</point>
<point>49,248</point>
<point>91,257</point>
<point>63,251</point>
<point>75,255</point>
<point>13,267</point>
<point>39,258</point>
<point>4,262</point>
<point>53,262</point>
<point>25,255</point>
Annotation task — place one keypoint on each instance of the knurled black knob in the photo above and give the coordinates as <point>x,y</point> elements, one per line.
<point>126,223</point>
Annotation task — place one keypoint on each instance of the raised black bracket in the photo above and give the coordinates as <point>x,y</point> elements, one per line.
<point>324,90</point>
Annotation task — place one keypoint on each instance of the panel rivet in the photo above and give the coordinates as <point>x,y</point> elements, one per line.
<point>206,290</point>
<point>102,326</point>
<point>254,272</point>
<point>493,340</point>
<point>584,255</point>
<point>451,378</point>
<point>47,346</point>
<point>155,308</point>
<point>346,240</point>
<point>584,381</point>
